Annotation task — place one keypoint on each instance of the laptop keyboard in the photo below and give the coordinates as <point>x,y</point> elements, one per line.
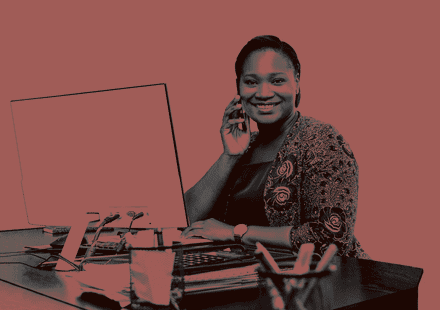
<point>196,261</point>
<point>190,259</point>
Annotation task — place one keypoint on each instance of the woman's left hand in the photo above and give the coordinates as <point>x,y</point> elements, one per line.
<point>211,229</point>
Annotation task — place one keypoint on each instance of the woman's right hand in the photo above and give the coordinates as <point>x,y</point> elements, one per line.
<point>235,138</point>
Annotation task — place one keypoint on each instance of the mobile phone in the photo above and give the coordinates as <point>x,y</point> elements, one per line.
<point>237,113</point>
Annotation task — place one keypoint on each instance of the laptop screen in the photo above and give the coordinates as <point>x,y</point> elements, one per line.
<point>90,151</point>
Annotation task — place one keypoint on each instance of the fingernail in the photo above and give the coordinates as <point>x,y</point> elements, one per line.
<point>237,97</point>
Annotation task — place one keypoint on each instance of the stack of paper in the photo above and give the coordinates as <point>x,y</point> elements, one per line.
<point>222,280</point>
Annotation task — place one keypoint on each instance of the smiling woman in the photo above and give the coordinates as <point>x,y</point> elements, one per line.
<point>294,181</point>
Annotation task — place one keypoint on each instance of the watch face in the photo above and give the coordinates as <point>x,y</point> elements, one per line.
<point>240,229</point>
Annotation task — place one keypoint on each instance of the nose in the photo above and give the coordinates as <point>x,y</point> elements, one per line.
<point>264,91</point>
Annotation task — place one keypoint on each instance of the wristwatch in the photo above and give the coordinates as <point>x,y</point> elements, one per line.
<point>239,231</point>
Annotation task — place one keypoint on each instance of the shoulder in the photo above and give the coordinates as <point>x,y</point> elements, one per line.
<point>317,133</point>
<point>310,125</point>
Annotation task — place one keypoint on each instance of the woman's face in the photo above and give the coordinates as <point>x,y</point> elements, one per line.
<point>268,87</point>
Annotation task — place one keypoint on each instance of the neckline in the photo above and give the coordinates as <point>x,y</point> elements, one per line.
<point>260,163</point>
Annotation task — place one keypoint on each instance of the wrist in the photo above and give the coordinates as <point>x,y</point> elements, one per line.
<point>228,161</point>
<point>231,157</point>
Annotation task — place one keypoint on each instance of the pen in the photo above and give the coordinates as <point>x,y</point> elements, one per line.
<point>266,260</point>
<point>269,264</point>
<point>302,265</point>
<point>174,303</point>
<point>323,263</point>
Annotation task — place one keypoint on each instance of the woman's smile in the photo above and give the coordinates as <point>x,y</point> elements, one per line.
<point>268,87</point>
<point>265,108</point>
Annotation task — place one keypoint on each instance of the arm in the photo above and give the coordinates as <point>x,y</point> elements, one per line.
<point>201,198</point>
<point>215,230</point>
<point>274,236</point>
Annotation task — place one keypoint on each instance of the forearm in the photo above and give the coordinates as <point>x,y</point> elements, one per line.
<point>271,236</point>
<point>201,198</point>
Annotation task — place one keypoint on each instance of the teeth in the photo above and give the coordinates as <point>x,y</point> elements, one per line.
<point>265,106</point>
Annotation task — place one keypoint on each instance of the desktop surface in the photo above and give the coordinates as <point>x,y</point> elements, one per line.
<point>357,283</point>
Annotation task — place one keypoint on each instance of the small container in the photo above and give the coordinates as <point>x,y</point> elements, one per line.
<point>152,280</point>
<point>151,274</point>
<point>287,291</point>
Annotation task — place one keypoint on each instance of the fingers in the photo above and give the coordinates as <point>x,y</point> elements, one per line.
<point>234,118</point>
<point>196,225</point>
<point>195,233</point>
<point>233,103</point>
<point>232,113</point>
<point>232,106</point>
<point>236,121</point>
<point>199,224</point>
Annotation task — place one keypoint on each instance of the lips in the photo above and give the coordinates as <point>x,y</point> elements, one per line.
<point>265,107</point>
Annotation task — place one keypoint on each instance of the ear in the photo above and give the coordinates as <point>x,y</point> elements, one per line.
<point>297,97</point>
<point>297,82</point>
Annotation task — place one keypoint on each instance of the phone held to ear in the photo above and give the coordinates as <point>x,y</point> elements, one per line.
<point>237,113</point>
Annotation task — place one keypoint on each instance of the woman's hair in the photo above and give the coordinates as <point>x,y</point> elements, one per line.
<point>263,43</point>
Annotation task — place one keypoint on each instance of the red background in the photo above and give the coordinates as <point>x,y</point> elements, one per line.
<point>368,68</point>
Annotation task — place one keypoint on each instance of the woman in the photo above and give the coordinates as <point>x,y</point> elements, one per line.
<point>293,182</point>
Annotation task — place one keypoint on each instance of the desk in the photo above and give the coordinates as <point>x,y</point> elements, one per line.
<point>358,284</point>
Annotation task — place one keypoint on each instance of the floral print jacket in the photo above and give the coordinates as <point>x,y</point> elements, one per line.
<point>313,187</point>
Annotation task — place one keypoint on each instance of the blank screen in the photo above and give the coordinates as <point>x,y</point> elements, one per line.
<point>88,152</point>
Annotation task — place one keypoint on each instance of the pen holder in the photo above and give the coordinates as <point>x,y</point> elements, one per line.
<point>151,279</point>
<point>287,291</point>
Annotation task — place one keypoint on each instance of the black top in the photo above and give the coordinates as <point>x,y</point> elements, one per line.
<point>245,204</point>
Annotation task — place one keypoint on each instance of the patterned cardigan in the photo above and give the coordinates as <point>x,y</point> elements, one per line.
<point>313,187</point>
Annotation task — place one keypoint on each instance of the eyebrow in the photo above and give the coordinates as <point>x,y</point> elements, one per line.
<point>256,75</point>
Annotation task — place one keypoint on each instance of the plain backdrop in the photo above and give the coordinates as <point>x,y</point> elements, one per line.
<point>369,68</point>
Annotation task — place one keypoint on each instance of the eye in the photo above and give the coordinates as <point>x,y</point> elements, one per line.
<point>278,81</point>
<point>250,82</point>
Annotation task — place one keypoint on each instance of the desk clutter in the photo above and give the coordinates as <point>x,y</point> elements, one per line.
<point>141,276</point>
<point>357,283</point>
<point>151,275</point>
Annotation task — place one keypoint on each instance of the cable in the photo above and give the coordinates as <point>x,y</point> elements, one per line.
<point>40,265</point>
<point>11,263</point>
<point>91,250</point>
<point>121,244</point>
<point>139,215</point>
<point>59,257</point>
<point>22,254</point>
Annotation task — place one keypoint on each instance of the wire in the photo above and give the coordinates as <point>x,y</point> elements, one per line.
<point>39,266</point>
<point>131,223</point>
<point>62,258</point>
<point>22,254</point>
<point>11,263</point>
<point>135,217</point>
